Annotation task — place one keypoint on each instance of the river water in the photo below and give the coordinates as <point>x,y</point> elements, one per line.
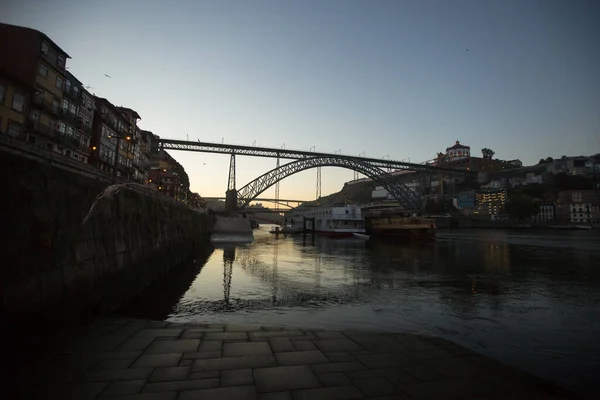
<point>530,299</point>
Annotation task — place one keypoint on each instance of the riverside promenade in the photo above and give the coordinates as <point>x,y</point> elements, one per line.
<point>117,358</point>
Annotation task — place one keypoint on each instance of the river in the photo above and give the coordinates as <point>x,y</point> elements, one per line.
<point>529,299</point>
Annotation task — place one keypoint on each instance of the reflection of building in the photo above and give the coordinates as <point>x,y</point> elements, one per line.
<point>578,206</point>
<point>490,201</point>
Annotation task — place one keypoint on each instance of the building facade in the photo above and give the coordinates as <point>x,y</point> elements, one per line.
<point>490,201</point>
<point>40,64</point>
<point>458,151</point>
<point>15,98</point>
<point>146,152</point>
<point>579,207</point>
<point>546,213</point>
<point>109,129</point>
<point>129,148</point>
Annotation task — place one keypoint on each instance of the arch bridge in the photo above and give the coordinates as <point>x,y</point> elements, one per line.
<point>376,169</point>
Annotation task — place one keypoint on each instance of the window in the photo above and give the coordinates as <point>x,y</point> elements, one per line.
<point>89,104</point>
<point>61,61</point>
<point>35,116</point>
<point>59,82</point>
<point>65,105</point>
<point>43,70</point>
<point>63,127</point>
<point>18,103</point>
<point>73,109</point>
<point>67,85</point>
<point>70,131</point>
<point>45,48</point>
<point>2,90</point>
<point>54,105</point>
<point>38,95</point>
<point>14,128</point>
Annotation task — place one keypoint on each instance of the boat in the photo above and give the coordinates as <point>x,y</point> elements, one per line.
<point>338,220</point>
<point>398,224</point>
<point>361,236</point>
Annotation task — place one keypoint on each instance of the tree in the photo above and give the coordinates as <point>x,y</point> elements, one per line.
<point>521,207</point>
<point>549,159</point>
<point>487,153</point>
<point>542,161</point>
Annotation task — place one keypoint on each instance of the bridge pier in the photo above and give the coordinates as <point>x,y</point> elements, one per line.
<point>231,200</point>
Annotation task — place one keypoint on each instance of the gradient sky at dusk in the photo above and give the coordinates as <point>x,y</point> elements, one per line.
<point>385,77</point>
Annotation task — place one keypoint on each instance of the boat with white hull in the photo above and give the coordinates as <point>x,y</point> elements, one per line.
<point>337,220</point>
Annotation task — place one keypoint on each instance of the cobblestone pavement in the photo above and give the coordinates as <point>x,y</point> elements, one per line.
<point>149,360</point>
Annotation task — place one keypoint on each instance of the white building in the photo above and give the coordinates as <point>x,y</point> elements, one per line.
<point>457,152</point>
<point>546,213</point>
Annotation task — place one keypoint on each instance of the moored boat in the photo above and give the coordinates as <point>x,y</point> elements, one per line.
<point>337,220</point>
<point>399,225</point>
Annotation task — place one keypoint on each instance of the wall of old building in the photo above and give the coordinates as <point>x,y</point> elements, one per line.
<point>74,244</point>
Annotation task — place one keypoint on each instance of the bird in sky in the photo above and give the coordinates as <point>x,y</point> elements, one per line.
<point>108,76</point>
<point>87,87</point>
<point>467,49</point>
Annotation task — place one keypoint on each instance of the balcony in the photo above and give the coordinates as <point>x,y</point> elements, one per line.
<point>68,141</point>
<point>85,129</point>
<point>48,106</point>
<point>71,118</point>
<point>72,94</point>
<point>41,129</point>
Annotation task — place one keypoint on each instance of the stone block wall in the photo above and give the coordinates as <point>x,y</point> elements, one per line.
<point>65,253</point>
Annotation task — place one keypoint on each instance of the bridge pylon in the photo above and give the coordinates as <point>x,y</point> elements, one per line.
<point>231,181</point>
<point>231,200</point>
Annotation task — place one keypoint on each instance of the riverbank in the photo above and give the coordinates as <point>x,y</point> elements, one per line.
<point>486,223</point>
<point>114,357</point>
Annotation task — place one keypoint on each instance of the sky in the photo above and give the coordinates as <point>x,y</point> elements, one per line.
<point>400,79</point>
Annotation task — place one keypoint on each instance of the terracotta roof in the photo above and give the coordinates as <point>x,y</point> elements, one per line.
<point>457,145</point>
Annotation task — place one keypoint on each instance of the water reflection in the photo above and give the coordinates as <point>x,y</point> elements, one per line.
<point>529,299</point>
<point>228,259</point>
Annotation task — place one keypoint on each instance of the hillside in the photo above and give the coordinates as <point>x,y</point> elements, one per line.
<point>358,193</point>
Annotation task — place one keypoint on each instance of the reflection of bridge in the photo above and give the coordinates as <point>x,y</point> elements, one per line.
<point>377,169</point>
<point>281,202</point>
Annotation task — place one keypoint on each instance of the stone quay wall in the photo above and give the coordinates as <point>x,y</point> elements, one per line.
<point>75,244</point>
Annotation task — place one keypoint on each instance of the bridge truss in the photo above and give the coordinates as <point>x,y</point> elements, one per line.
<point>405,196</point>
<point>229,149</point>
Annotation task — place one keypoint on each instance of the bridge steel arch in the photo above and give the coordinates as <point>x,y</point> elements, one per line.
<point>404,195</point>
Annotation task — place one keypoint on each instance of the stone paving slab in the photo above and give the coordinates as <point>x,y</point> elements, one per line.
<point>156,360</point>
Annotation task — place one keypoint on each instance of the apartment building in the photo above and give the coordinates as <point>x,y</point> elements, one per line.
<point>15,98</point>
<point>130,147</point>
<point>40,65</point>
<point>110,128</point>
<point>578,207</point>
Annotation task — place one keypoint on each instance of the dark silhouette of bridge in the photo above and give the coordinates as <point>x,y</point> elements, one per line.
<point>379,170</point>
